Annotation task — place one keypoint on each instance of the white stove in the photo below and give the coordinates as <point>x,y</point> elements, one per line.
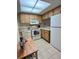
<point>36,33</point>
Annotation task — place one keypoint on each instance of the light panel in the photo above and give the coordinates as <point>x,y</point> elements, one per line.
<point>26,9</point>
<point>36,10</point>
<point>28,3</point>
<point>27,6</point>
<point>42,5</point>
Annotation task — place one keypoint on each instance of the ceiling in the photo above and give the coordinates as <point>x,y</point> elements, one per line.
<point>38,6</point>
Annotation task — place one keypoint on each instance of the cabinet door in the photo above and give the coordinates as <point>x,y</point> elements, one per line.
<point>57,10</point>
<point>47,35</point>
<point>42,34</point>
<point>24,18</point>
<point>50,13</point>
<point>43,17</point>
<point>46,15</point>
<point>32,17</point>
<point>37,17</point>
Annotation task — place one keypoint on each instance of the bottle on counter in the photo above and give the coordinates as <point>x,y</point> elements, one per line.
<point>21,41</point>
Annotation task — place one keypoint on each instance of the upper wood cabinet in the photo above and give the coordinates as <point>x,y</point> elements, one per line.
<point>32,17</point>
<point>38,18</point>
<point>45,16</point>
<point>57,10</point>
<point>24,18</point>
<point>51,13</point>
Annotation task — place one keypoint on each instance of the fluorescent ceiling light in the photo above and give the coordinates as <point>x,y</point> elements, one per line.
<point>29,6</point>
<point>28,3</point>
<point>42,5</point>
<point>36,10</point>
<point>26,9</point>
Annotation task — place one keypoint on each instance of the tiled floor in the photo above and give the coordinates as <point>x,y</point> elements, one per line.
<point>46,51</point>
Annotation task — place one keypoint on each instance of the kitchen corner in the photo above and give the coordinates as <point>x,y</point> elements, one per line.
<point>38,22</point>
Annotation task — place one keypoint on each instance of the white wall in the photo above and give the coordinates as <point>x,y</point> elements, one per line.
<point>18,38</point>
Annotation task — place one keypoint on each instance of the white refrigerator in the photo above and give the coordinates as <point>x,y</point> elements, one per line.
<point>56,31</point>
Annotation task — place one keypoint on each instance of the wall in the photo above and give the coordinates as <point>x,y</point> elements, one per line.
<point>18,24</point>
<point>18,38</point>
<point>18,6</point>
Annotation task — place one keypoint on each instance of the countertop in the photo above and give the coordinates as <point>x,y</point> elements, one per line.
<point>45,28</point>
<point>42,27</point>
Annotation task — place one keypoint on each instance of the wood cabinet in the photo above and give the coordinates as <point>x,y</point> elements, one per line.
<point>51,12</point>
<point>45,34</point>
<point>38,17</point>
<point>57,10</point>
<point>45,16</point>
<point>25,18</point>
<point>32,17</point>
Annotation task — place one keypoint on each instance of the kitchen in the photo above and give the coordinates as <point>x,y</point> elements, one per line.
<point>39,25</point>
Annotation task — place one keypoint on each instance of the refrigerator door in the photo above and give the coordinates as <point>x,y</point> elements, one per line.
<point>56,38</point>
<point>56,20</point>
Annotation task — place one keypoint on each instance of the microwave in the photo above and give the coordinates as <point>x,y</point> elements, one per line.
<point>34,21</point>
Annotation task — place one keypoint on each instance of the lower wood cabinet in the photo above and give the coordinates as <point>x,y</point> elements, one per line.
<point>45,34</point>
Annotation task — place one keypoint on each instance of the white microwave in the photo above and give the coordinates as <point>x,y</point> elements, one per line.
<point>34,21</point>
